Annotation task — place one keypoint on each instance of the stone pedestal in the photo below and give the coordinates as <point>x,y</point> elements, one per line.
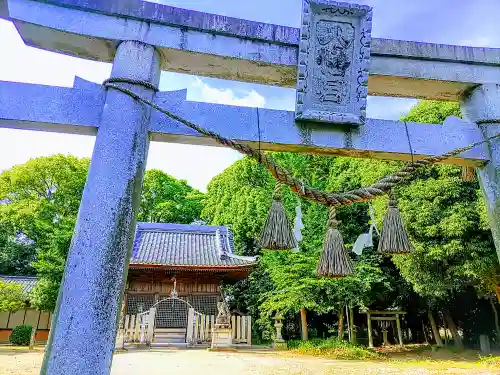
<point>384,335</point>
<point>222,334</point>
<point>222,337</point>
<point>484,343</point>
<point>279,343</point>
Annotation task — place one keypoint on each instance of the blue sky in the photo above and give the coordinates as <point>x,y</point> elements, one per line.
<point>439,21</point>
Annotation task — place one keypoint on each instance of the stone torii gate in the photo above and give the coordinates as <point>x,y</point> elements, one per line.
<point>332,60</point>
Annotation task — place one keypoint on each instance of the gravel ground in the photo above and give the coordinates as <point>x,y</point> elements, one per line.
<point>196,362</point>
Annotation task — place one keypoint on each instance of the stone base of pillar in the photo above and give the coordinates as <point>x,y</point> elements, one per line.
<point>484,342</point>
<point>222,337</point>
<point>120,340</point>
<point>280,345</point>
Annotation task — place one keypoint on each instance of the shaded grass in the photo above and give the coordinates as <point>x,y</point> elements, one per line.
<point>333,349</point>
<point>407,359</point>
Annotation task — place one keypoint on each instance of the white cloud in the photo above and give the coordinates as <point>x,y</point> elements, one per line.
<point>200,91</point>
<point>20,63</point>
<point>32,65</point>
<point>385,108</point>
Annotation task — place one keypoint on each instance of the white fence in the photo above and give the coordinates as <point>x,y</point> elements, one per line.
<point>242,329</point>
<point>138,329</point>
<point>199,330</point>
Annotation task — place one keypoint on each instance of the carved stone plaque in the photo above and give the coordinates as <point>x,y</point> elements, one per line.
<point>334,58</point>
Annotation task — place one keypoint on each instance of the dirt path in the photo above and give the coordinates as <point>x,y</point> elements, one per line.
<point>201,362</point>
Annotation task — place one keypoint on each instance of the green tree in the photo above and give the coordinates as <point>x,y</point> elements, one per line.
<point>11,297</point>
<point>43,197</point>
<point>16,253</point>
<point>286,282</point>
<point>39,204</point>
<point>445,218</point>
<point>165,199</point>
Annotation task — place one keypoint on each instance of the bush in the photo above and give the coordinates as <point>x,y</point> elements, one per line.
<point>333,348</point>
<point>21,335</point>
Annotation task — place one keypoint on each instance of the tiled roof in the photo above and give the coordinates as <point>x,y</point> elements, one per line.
<point>27,282</point>
<point>184,246</point>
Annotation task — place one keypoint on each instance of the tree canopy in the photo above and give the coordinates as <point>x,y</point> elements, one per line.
<point>286,282</point>
<point>11,297</point>
<point>445,218</point>
<point>38,210</point>
<point>454,258</point>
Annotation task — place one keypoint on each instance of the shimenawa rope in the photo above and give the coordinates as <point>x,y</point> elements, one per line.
<point>383,186</point>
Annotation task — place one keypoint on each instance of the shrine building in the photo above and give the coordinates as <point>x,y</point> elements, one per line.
<point>187,262</point>
<point>173,267</point>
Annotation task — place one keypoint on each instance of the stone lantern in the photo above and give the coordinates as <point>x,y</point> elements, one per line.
<point>279,343</point>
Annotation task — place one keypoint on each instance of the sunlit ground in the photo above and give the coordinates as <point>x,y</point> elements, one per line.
<point>196,362</point>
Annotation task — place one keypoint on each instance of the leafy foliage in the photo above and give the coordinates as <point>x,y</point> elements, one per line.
<point>285,282</point>
<point>167,200</point>
<point>21,335</point>
<point>16,255</point>
<point>445,217</point>
<point>38,210</point>
<point>433,112</point>
<point>43,197</point>
<point>333,349</point>
<point>11,297</point>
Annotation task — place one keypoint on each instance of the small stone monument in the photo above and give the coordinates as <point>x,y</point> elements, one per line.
<point>279,343</point>
<point>222,334</point>
<point>484,343</point>
<point>32,338</point>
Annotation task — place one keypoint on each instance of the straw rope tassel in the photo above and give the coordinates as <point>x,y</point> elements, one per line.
<point>334,262</point>
<point>277,233</point>
<point>394,238</point>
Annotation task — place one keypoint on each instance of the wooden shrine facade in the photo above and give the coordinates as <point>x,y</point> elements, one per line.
<point>175,267</point>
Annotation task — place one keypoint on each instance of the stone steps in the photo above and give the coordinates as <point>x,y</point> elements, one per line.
<point>169,345</point>
<point>169,336</point>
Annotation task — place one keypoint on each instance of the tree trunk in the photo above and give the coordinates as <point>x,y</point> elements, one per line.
<point>435,331</point>
<point>453,329</point>
<point>495,314</point>
<point>341,324</point>
<point>425,333</point>
<point>352,326</point>
<point>303,324</point>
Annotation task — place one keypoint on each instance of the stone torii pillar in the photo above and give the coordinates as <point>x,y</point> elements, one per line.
<point>89,302</point>
<point>482,106</point>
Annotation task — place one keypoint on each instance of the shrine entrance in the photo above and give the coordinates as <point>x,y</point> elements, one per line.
<point>171,320</point>
<point>172,312</point>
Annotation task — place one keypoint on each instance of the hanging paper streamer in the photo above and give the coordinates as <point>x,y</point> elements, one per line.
<point>366,239</point>
<point>298,226</point>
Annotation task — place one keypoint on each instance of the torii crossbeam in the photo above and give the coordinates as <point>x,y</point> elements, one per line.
<point>332,60</point>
